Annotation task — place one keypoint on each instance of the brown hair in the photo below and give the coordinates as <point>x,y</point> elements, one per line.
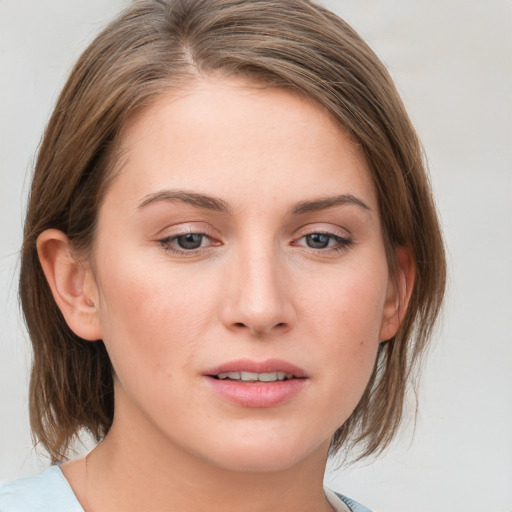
<point>157,45</point>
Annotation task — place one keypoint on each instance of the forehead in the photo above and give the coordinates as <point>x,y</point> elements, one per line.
<point>233,136</point>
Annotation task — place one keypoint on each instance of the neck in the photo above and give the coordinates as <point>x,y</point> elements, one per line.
<point>134,469</point>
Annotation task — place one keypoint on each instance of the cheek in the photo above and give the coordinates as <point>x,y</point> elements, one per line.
<point>343,316</point>
<point>348,303</point>
<point>149,315</point>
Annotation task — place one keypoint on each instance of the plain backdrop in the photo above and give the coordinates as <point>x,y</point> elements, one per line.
<point>452,62</point>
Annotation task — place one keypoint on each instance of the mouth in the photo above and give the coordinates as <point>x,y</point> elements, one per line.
<point>254,377</point>
<point>250,383</point>
<point>246,370</point>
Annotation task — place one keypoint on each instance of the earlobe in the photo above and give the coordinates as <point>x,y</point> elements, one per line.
<point>71,283</point>
<point>399,293</point>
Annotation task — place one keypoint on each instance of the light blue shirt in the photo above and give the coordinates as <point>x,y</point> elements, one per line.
<point>51,492</point>
<point>47,492</point>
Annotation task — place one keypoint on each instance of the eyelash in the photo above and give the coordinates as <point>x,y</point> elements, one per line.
<point>342,243</point>
<point>169,243</point>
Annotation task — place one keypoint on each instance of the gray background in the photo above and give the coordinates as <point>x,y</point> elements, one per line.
<point>452,62</point>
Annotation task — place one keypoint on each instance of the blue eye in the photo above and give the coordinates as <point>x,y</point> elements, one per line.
<point>185,243</point>
<point>190,241</point>
<point>318,240</point>
<point>328,241</point>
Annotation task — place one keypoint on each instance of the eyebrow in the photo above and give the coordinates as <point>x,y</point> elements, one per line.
<point>328,202</point>
<point>192,198</point>
<point>219,205</point>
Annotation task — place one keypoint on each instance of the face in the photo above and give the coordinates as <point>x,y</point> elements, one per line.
<point>240,276</point>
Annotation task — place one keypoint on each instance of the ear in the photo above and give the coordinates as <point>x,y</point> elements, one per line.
<point>72,284</point>
<point>398,294</point>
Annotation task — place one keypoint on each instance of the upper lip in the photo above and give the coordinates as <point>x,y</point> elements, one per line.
<point>248,365</point>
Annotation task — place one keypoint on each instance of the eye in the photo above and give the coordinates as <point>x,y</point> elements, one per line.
<point>324,241</point>
<point>190,241</point>
<point>318,240</point>
<point>186,242</point>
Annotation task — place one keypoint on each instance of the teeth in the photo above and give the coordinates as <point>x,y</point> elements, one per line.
<point>230,375</point>
<point>267,377</point>
<point>254,377</point>
<point>248,376</point>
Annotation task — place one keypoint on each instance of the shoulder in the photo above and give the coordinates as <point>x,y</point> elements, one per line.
<point>354,506</point>
<point>40,493</point>
<point>342,503</point>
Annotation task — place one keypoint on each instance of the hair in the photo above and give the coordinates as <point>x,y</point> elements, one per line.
<point>156,46</point>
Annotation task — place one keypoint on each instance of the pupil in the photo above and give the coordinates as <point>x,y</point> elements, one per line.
<point>190,241</point>
<point>317,240</point>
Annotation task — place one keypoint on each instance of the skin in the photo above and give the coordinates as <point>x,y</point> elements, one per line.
<point>253,289</point>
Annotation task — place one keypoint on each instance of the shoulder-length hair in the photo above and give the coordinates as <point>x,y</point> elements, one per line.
<point>156,46</point>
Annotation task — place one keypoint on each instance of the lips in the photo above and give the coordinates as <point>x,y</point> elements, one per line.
<point>256,377</point>
<point>269,366</point>
<point>262,384</point>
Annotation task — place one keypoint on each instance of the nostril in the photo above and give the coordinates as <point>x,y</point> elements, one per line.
<point>259,330</point>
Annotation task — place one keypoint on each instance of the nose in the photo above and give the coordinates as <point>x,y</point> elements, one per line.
<point>257,294</point>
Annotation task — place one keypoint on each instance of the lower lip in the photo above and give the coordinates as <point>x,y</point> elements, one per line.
<point>257,394</point>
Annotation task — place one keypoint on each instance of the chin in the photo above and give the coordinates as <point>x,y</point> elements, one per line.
<point>267,454</point>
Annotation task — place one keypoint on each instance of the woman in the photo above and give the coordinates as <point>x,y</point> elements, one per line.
<point>231,262</point>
